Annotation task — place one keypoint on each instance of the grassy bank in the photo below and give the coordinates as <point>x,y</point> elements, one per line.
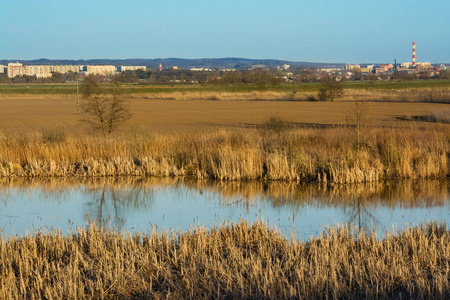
<point>298,91</point>
<point>289,93</point>
<point>230,261</point>
<point>272,153</point>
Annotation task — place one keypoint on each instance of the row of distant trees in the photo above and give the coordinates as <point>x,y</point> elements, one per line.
<point>202,77</point>
<point>258,77</point>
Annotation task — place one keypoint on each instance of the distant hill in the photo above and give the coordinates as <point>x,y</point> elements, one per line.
<point>211,63</point>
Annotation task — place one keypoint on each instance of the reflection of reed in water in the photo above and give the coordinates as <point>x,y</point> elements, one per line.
<point>134,190</point>
<point>404,194</point>
<point>111,199</point>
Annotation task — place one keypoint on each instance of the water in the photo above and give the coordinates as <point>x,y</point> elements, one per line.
<point>304,210</point>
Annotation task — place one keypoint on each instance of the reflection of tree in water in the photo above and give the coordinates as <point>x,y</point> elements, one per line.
<point>114,198</point>
<point>110,203</point>
<point>361,216</point>
<point>358,202</point>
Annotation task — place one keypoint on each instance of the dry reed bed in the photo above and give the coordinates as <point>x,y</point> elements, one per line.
<point>431,95</point>
<point>231,261</point>
<point>424,94</point>
<point>328,156</point>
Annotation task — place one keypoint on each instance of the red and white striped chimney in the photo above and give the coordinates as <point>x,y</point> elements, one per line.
<point>414,54</point>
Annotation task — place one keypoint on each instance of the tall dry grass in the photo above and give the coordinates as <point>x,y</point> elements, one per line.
<point>245,261</point>
<point>423,94</point>
<point>375,91</point>
<point>324,155</point>
<point>427,95</point>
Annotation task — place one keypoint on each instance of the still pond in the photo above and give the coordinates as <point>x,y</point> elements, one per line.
<point>304,210</point>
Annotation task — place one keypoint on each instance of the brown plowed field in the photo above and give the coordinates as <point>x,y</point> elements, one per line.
<point>27,114</point>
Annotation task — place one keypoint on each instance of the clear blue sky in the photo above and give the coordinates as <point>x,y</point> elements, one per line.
<point>316,31</point>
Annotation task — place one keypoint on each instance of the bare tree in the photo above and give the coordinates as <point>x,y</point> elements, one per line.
<point>105,109</point>
<point>358,119</point>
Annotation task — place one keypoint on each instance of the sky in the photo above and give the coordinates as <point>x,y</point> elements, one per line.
<point>332,31</point>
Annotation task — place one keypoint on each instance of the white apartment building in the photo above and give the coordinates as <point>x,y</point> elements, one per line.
<point>15,69</point>
<point>100,70</point>
<point>38,71</point>
<point>132,68</point>
<point>65,68</point>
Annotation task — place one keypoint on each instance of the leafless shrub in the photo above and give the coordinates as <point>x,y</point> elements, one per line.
<point>105,110</point>
<point>357,118</point>
<point>54,135</point>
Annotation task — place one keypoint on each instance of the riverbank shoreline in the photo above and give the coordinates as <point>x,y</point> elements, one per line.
<point>273,153</point>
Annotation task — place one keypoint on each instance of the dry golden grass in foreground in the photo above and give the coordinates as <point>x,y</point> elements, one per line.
<point>232,261</point>
<point>324,155</point>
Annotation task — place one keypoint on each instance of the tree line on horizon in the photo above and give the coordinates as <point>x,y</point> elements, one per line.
<point>256,77</point>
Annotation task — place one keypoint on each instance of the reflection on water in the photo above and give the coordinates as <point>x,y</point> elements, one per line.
<point>143,204</point>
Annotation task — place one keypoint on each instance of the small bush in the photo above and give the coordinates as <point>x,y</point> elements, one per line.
<point>312,98</point>
<point>330,90</point>
<point>276,124</point>
<point>54,136</point>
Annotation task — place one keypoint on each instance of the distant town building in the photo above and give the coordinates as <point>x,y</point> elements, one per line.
<point>370,67</point>
<point>3,68</point>
<point>175,67</point>
<point>99,70</point>
<point>378,70</point>
<point>349,67</point>
<point>65,69</point>
<point>160,66</point>
<point>15,69</point>
<point>331,70</point>
<point>256,67</point>
<point>132,68</point>
<point>38,71</point>
<point>386,67</point>
<point>200,69</point>
<point>406,65</point>
<point>285,66</point>
<point>424,65</point>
